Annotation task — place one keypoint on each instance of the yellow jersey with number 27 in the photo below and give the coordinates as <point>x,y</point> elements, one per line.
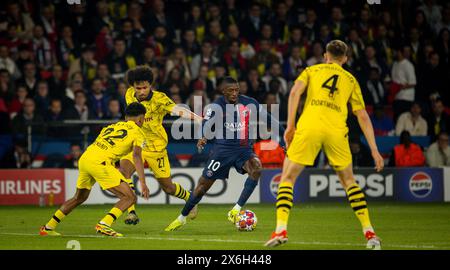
<point>329,89</point>
<point>158,105</point>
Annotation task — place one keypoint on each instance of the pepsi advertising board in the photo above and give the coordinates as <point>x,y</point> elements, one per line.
<point>409,184</point>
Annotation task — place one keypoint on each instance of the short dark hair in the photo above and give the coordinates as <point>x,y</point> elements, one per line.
<point>139,74</point>
<point>337,48</point>
<point>135,109</point>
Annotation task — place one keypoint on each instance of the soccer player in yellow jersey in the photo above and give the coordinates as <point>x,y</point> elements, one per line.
<point>140,80</point>
<point>322,125</point>
<point>97,164</point>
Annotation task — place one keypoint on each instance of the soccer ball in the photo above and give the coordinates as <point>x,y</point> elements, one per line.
<point>246,220</point>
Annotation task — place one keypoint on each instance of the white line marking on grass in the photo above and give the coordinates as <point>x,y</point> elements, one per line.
<point>314,243</point>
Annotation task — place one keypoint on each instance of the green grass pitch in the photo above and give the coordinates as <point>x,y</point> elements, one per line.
<point>311,226</point>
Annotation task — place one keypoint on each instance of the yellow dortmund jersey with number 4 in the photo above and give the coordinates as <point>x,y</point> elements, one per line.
<point>158,105</point>
<point>116,141</point>
<point>329,89</point>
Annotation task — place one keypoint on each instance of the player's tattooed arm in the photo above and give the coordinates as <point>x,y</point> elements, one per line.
<point>186,113</point>
<point>139,164</point>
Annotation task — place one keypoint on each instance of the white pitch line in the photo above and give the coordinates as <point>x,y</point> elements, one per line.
<point>318,243</point>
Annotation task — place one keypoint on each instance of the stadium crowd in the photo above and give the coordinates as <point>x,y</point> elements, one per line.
<point>60,61</point>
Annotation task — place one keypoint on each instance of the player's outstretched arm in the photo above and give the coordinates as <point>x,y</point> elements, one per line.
<point>367,128</point>
<point>294,98</point>
<point>185,113</point>
<point>139,164</point>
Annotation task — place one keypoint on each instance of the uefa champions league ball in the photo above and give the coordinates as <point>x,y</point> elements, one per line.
<point>246,221</point>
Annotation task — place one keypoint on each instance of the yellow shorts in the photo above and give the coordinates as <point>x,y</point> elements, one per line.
<point>92,169</point>
<point>158,162</point>
<point>307,143</point>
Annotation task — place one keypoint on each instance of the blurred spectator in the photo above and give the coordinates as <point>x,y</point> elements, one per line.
<point>30,78</point>
<point>382,124</point>
<point>42,98</point>
<point>103,44</point>
<point>134,13</point>
<point>264,57</point>
<point>75,154</point>
<point>195,20</point>
<point>7,63</point>
<point>85,64</point>
<point>149,58</point>
<point>215,35</point>
<point>98,99</point>
<point>18,157</point>
<point>79,110</point>
<point>178,60</point>
<point>317,54</point>
<point>292,64</point>
<point>432,78</point>
<point>444,23</point>
<point>16,104</point>
<point>256,87</point>
<point>361,156</point>
<point>158,16</point>
<point>15,15</point>
<point>5,130</point>
<point>48,21</point>
<point>26,117</point>
<point>375,93</point>
<point>407,153</point>
<point>55,114</point>
<point>44,52</point>
<point>275,73</point>
<point>443,46</point>
<point>311,25</point>
<point>114,111</point>
<point>161,42</point>
<point>67,48</point>
<point>236,63</point>
<point>108,83</point>
<point>56,83</point>
<point>338,27</point>
<point>6,85</point>
<point>371,61</point>
<point>176,84</point>
<point>412,121</point>
<point>202,82</point>
<point>205,57</point>
<point>81,23</point>
<point>25,55</point>
<point>11,40</point>
<point>251,24</point>
<point>431,11</point>
<point>247,50</point>
<point>102,17</point>
<point>355,44</point>
<point>270,153</point>
<point>404,79</point>
<point>438,120</point>
<point>118,60</point>
<point>438,154</point>
<point>190,44</point>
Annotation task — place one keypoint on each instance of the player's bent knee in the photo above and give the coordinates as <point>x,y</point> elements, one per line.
<point>169,189</point>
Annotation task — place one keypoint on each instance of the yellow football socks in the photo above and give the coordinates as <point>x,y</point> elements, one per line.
<point>284,204</point>
<point>114,214</point>
<point>55,220</point>
<point>181,193</point>
<point>359,204</point>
